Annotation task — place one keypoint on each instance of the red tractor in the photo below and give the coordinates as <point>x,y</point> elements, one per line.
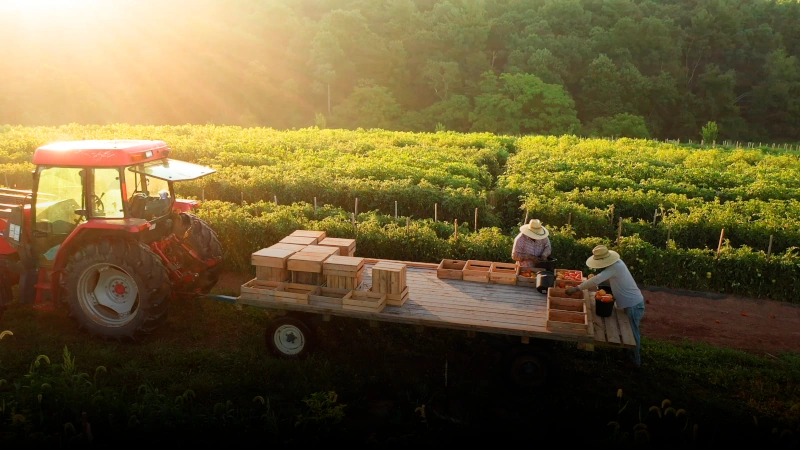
<point>103,232</point>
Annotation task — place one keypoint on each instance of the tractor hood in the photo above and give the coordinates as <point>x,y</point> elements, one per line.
<point>172,170</point>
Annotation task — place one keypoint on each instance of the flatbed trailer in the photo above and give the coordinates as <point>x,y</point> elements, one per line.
<point>499,309</point>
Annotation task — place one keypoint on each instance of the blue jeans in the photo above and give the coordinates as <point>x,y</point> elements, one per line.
<point>635,314</point>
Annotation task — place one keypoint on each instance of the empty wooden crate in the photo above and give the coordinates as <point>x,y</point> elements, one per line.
<point>364,301</point>
<point>450,269</point>
<point>477,271</point>
<point>347,247</point>
<point>390,278</point>
<point>344,272</point>
<point>271,264</point>
<point>329,297</point>
<point>306,268</point>
<point>295,293</point>
<point>318,235</point>
<point>503,273</point>
<point>566,314</point>
<point>256,290</point>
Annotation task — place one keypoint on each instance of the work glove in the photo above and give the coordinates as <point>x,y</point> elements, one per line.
<point>572,290</point>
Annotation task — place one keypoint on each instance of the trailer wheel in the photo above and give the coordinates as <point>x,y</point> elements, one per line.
<point>529,370</point>
<point>290,338</point>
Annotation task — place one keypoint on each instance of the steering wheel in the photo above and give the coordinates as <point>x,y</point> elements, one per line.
<point>98,203</point>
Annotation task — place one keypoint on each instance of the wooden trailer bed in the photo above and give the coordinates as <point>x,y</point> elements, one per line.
<point>471,306</point>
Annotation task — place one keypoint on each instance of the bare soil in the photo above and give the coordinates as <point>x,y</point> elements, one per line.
<point>753,325</point>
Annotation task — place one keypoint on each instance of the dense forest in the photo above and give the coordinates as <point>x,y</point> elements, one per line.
<point>656,68</point>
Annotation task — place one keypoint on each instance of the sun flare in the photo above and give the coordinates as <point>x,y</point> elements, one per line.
<point>62,8</point>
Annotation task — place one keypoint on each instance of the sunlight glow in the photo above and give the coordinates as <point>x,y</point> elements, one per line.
<point>65,9</point>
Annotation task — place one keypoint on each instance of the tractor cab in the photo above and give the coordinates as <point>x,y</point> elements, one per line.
<point>100,224</point>
<point>82,185</point>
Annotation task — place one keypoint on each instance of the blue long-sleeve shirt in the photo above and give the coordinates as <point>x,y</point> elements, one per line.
<point>624,288</point>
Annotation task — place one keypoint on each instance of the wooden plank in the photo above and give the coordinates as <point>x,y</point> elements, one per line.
<point>330,251</point>
<point>300,240</point>
<point>625,329</point>
<point>318,235</point>
<point>612,328</point>
<point>295,247</point>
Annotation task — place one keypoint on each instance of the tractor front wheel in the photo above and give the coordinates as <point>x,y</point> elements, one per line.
<point>116,288</point>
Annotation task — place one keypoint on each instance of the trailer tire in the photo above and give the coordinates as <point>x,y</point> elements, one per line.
<point>528,369</point>
<point>289,338</point>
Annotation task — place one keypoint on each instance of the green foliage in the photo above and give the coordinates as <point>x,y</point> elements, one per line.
<point>710,132</point>
<point>620,125</point>
<point>322,411</point>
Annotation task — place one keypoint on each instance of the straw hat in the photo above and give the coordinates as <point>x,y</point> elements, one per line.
<point>534,230</point>
<point>602,257</point>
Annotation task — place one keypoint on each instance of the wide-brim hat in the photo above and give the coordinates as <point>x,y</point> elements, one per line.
<point>602,257</point>
<point>534,230</point>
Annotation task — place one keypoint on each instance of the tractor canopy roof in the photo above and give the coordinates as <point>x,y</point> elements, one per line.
<point>96,153</point>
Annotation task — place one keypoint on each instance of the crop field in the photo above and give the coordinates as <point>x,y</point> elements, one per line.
<point>206,377</point>
<point>667,204</point>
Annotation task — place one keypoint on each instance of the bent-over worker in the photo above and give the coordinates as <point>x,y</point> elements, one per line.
<point>626,294</point>
<point>531,245</point>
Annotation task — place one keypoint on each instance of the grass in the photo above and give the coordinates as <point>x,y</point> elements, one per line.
<point>210,365</point>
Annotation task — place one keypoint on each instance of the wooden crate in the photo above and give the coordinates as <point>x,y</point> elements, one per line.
<point>295,293</point>
<point>347,247</point>
<point>503,273</point>
<point>567,304</point>
<point>256,289</point>
<point>271,257</point>
<point>321,249</point>
<point>308,278</point>
<point>299,240</point>
<point>364,301</point>
<point>566,283</point>
<point>295,247</point>
<point>564,271</point>
<point>562,293</point>
<point>397,299</point>
<point>329,297</point>
<point>344,272</point>
<point>566,314</point>
<point>476,270</point>
<point>272,274</point>
<point>345,282</point>
<point>306,262</point>
<point>451,269</point>
<point>389,277</point>
<point>318,235</point>
<point>528,281</point>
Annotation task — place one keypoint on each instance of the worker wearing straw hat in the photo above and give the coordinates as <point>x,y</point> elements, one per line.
<point>531,245</point>
<point>626,294</point>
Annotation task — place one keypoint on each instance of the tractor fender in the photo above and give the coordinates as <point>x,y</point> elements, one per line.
<point>88,230</point>
<point>182,205</point>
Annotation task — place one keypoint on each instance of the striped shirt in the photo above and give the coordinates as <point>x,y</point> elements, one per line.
<point>624,288</point>
<point>525,247</point>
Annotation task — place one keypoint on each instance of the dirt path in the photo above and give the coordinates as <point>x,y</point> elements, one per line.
<point>756,326</point>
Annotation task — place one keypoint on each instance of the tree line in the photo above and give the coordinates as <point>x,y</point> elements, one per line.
<point>636,68</point>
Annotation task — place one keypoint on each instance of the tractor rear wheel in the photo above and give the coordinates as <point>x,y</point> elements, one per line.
<point>205,242</point>
<point>116,288</point>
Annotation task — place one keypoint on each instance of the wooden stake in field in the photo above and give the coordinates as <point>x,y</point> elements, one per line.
<point>355,208</point>
<point>275,197</point>
<point>203,194</point>
<point>315,205</point>
<point>526,217</point>
<point>569,219</point>
<point>721,237</point>
<point>619,231</point>
<point>455,227</point>
<point>395,209</point>
<point>669,230</point>
<point>476,220</point>
<point>435,212</point>
<point>769,248</point>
